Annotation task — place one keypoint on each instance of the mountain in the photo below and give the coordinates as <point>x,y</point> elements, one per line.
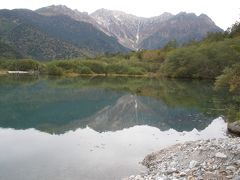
<point>152,33</point>
<point>58,32</point>
<point>130,30</point>
<point>182,27</point>
<point>53,37</point>
<point>7,51</point>
<point>124,27</point>
<point>57,10</point>
<point>136,32</point>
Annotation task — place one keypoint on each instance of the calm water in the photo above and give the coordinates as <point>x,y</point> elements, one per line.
<point>99,128</point>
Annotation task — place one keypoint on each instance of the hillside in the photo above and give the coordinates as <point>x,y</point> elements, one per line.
<point>183,27</point>
<point>8,52</point>
<point>55,37</point>
<point>57,10</point>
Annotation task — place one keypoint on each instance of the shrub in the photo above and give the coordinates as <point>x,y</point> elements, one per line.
<point>24,65</point>
<point>230,79</point>
<point>66,65</point>
<point>206,60</point>
<point>84,70</point>
<point>117,68</point>
<point>52,69</point>
<point>98,67</point>
<point>136,71</point>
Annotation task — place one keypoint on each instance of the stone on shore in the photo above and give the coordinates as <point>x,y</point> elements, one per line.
<point>204,159</point>
<point>220,155</point>
<point>234,127</point>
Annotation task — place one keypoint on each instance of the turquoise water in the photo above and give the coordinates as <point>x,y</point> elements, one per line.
<point>99,128</point>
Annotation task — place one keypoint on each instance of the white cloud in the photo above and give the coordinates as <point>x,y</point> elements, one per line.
<point>223,12</point>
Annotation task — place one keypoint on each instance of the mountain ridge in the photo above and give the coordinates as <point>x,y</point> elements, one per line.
<point>58,32</point>
<point>139,29</point>
<point>53,37</point>
<point>136,32</point>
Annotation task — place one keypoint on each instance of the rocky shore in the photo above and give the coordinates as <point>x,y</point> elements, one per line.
<point>216,159</point>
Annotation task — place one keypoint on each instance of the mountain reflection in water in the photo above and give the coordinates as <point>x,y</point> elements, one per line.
<point>99,128</point>
<point>108,104</point>
<point>131,110</point>
<point>87,154</point>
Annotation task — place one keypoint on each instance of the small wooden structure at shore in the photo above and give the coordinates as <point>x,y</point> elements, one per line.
<point>21,72</point>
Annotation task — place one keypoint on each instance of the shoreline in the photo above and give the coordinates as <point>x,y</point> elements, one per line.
<point>203,159</point>
<point>3,72</point>
<point>148,75</point>
<point>73,74</point>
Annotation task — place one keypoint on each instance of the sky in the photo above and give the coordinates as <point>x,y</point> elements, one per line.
<point>223,12</point>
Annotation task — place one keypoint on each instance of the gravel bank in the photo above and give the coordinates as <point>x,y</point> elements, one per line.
<point>216,159</point>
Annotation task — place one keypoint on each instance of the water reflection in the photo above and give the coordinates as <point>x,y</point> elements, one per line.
<point>130,110</point>
<point>99,128</point>
<point>107,104</point>
<point>85,153</point>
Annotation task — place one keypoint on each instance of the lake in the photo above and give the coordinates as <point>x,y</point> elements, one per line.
<point>98,127</point>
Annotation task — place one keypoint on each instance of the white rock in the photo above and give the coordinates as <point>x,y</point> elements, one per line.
<point>220,155</point>
<point>173,164</point>
<point>138,177</point>
<point>171,170</point>
<point>162,178</point>
<point>214,167</point>
<point>187,170</point>
<point>193,164</point>
<point>231,168</point>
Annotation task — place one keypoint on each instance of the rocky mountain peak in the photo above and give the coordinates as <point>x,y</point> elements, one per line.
<point>138,32</point>
<point>166,15</point>
<point>112,14</point>
<point>55,10</point>
<point>206,19</point>
<point>132,31</point>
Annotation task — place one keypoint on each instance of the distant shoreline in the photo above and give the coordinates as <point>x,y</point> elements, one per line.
<point>7,72</point>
